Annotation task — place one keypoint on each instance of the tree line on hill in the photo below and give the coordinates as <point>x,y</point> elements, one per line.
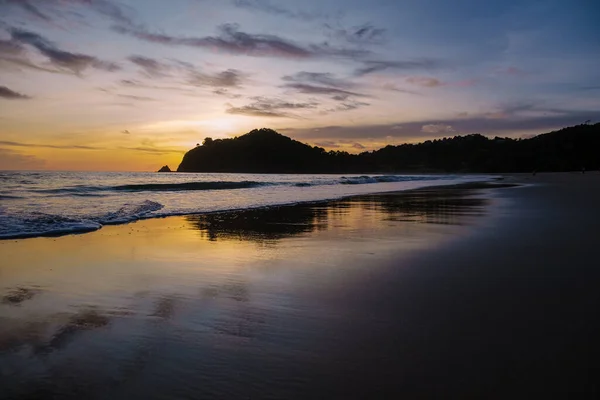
<point>266,151</point>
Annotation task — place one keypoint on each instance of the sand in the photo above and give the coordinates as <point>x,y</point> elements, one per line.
<point>440,293</point>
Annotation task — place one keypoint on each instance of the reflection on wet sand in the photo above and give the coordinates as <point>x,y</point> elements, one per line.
<point>440,205</point>
<point>191,307</point>
<point>261,224</point>
<point>76,324</point>
<point>52,333</point>
<point>20,294</point>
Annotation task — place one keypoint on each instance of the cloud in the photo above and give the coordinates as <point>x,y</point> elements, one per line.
<point>146,149</point>
<point>436,128</point>
<point>365,34</point>
<point>151,68</point>
<point>48,146</point>
<point>136,84</point>
<point>6,93</point>
<point>63,59</point>
<point>323,83</point>
<point>12,160</point>
<point>106,8</point>
<point>137,98</point>
<point>331,144</point>
<point>340,97</point>
<point>31,9</point>
<point>232,41</point>
<point>265,107</point>
<point>131,83</point>
<point>322,90</point>
<point>328,143</point>
<point>393,88</point>
<point>349,106</point>
<point>319,78</point>
<point>267,7</point>
<point>424,81</point>
<point>411,131</point>
<point>13,57</point>
<point>372,66</point>
<point>230,78</point>
<point>153,150</point>
<point>10,48</point>
<point>464,83</point>
<point>226,93</point>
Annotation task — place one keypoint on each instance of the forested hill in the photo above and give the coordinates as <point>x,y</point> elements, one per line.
<point>266,151</point>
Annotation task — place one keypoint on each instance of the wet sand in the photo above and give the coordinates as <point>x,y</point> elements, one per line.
<point>460,292</point>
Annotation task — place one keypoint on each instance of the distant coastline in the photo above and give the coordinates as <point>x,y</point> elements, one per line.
<point>574,148</point>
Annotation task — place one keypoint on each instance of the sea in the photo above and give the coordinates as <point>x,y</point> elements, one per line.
<point>49,203</point>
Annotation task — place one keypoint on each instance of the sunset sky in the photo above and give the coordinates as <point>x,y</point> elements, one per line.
<point>133,84</point>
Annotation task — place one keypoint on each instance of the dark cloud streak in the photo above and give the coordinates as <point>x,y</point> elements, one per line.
<point>321,90</point>
<point>319,78</point>
<point>74,62</point>
<point>153,150</point>
<point>6,93</point>
<point>366,34</point>
<point>146,149</point>
<point>230,78</point>
<point>106,8</point>
<point>233,41</point>
<point>33,10</point>
<point>477,124</point>
<point>151,67</point>
<point>49,146</point>
<point>137,98</point>
<point>264,107</point>
<point>13,56</point>
<point>373,66</point>
<point>267,7</point>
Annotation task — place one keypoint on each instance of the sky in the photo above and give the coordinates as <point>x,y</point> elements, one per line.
<point>132,84</point>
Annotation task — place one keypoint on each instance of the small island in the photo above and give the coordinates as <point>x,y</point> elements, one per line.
<point>165,168</point>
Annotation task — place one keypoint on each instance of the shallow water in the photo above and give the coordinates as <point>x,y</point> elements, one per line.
<point>269,303</point>
<point>54,203</point>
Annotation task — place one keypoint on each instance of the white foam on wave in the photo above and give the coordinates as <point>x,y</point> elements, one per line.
<point>130,212</point>
<point>40,224</point>
<point>21,225</point>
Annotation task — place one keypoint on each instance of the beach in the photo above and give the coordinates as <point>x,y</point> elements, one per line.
<point>468,291</point>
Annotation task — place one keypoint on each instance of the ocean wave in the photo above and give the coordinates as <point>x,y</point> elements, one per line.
<point>365,179</point>
<point>130,212</point>
<point>156,187</point>
<point>214,185</point>
<point>8,197</point>
<point>89,191</point>
<point>39,224</point>
<point>13,226</point>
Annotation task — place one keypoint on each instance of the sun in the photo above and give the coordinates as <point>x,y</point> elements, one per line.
<point>220,125</point>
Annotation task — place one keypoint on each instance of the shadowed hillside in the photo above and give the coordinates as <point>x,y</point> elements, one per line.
<point>266,151</point>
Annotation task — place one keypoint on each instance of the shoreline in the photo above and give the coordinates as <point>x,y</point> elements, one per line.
<point>98,225</point>
<point>460,292</point>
